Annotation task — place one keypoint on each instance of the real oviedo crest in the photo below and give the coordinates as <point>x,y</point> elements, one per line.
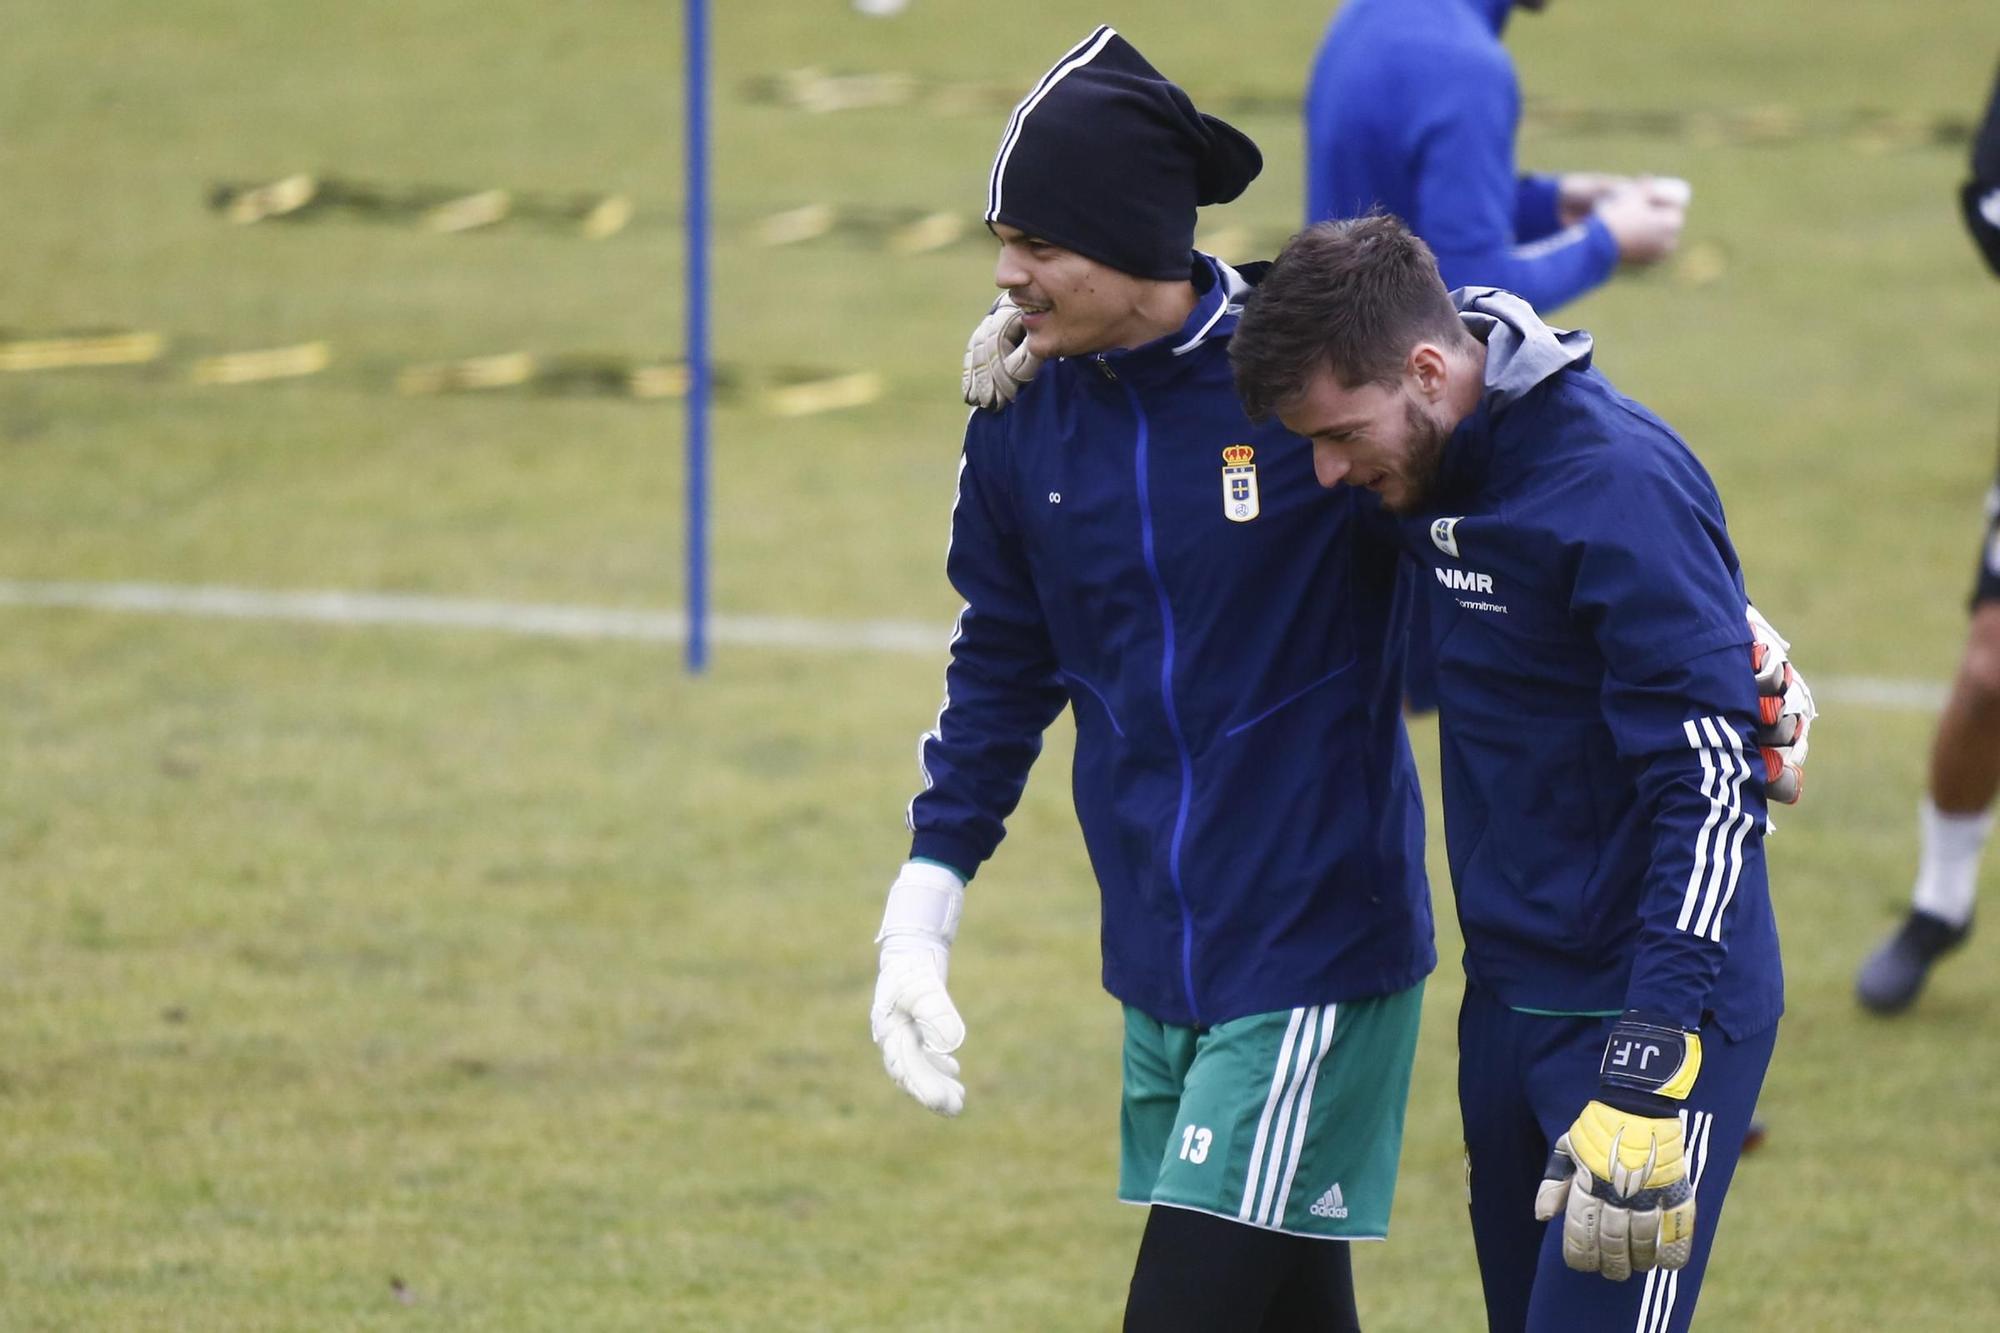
<point>1239,483</point>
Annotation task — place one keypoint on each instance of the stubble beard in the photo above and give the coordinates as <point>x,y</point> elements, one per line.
<point>1422,462</point>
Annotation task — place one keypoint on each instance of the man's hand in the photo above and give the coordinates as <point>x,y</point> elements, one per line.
<point>1620,1182</point>
<point>1785,712</point>
<point>997,359</point>
<point>1577,193</point>
<point>913,1019</point>
<point>1619,1176</point>
<point>1645,219</point>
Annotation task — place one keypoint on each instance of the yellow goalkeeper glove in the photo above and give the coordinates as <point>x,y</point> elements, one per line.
<point>1619,1176</point>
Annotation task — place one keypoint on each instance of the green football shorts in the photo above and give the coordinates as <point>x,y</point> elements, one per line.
<point>1289,1121</point>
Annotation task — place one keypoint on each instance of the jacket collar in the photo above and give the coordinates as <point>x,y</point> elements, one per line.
<point>1468,455</point>
<point>1219,293</point>
<point>1522,354</point>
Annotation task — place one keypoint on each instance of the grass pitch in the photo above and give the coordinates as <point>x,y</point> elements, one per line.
<point>410,979</point>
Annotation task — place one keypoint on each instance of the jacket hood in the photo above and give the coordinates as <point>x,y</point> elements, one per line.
<point>1521,351</point>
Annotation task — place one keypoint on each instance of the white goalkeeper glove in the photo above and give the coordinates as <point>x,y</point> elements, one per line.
<point>997,359</point>
<point>913,1020</point>
<point>1619,1176</point>
<point>1785,712</point>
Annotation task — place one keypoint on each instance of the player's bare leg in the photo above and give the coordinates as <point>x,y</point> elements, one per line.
<point>1956,817</point>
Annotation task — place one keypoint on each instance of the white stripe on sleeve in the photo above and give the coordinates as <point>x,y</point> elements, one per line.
<point>1743,823</point>
<point>1718,849</point>
<point>1725,862</point>
<point>1708,789</point>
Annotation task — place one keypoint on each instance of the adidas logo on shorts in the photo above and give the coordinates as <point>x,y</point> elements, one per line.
<point>1329,1204</point>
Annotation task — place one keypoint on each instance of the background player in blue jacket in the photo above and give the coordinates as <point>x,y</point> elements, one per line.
<point>1603,822</point>
<point>1412,108</point>
<point>1956,816</point>
<point>1132,548</point>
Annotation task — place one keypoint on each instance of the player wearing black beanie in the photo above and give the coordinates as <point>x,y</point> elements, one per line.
<point>1110,159</point>
<point>1131,548</point>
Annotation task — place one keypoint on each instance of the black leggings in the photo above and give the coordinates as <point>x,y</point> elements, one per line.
<point>1202,1274</point>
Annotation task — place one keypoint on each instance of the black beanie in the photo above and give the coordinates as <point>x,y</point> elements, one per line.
<point>1106,157</point>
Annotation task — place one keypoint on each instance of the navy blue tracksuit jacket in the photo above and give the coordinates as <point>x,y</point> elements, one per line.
<point>1604,817</point>
<point>1218,626</point>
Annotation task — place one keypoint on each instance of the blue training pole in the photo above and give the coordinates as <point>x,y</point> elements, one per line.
<point>697,336</point>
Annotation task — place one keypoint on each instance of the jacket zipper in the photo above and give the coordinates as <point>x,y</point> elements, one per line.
<point>1166,695</point>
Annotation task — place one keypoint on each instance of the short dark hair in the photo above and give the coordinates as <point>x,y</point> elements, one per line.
<point>1352,297</point>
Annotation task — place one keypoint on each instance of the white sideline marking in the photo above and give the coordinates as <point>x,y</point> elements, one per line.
<point>560,620</point>
<point>1895,696</point>
<point>536,619</point>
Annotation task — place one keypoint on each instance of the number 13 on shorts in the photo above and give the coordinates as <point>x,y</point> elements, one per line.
<point>1290,1120</point>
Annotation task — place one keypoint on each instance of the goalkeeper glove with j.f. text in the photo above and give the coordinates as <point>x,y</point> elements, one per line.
<point>913,1019</point>
<point>1619,1177</point>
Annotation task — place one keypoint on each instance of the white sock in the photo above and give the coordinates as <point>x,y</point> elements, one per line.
<point>1948,873</point>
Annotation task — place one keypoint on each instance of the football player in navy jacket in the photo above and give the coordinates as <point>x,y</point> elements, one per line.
<point>1603,817</point>
<point>1131,548</point>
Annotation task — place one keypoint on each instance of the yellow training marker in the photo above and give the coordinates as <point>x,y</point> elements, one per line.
<point>658,381</point>
<point>933,231</point>
<point>607,216</point>
<point>818,92</point>
<point>473,210</point>
<point>271,363</point>
<point>1890,132</point>
<point>119,349</point>
<point>826,395</point>
<point>280,197</point>
<point>795,225</point>
<point>480,372</point>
